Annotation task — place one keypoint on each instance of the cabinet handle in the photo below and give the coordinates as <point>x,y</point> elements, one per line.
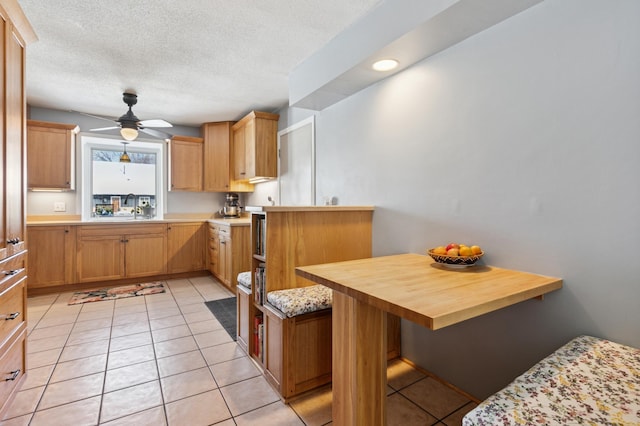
<point>13,241</point>
<point>11,272</point>
<point>223,242</point>
<point>66,231</point>
<point>12,316</point>
<point>14,375</point>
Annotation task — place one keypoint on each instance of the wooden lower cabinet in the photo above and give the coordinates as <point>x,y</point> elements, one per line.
<point>186,247</point>
<point>13,325</point>
<point>51,255</point>
<point>108,253</point>
<point>229,251</point>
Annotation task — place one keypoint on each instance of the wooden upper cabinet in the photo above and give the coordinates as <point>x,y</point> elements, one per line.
<point>255,146</point>
<point>186,163</point>
<point>50,155</point>
<point>218,157</point>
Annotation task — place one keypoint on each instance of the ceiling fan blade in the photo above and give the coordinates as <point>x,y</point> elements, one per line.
<point>104,128</point>
<point>156,133</point>
<point>155,123</point>
<point>93,116</point>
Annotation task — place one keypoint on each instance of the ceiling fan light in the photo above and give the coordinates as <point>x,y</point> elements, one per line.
<point>129,134</point>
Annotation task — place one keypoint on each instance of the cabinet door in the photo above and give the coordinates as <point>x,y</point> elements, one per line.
<point>14,172</point>
<point>225,259</point>
<point>187,247</point>
<point>145,254</point>
<point>214,254</point>
<point>100,258</point>
<point>50,155</point>
<point>239,154</point>
<point>186,163</point>
<point>217,162</point>
<point>51,255</point>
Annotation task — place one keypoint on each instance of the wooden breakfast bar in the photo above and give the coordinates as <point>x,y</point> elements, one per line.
<point>413,287</point>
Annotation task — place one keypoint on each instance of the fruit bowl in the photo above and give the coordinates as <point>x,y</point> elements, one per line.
<point>455,260</point>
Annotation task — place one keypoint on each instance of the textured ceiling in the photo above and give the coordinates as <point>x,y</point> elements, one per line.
<point>189,61</point>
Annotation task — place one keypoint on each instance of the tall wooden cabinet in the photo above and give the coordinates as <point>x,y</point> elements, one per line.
<point>218,157</point>
<point>255,147</point>
<point>15,34</point>
<point>50,155</point>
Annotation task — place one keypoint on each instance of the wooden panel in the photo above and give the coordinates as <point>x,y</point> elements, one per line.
<point>273,348</point>
<point>241,252</point>
<point>265,153</point>
<point>359,388</point>
<point>243,324</point>
<point>309,358</point>
<point>313,237</point>
<point>3,201</point>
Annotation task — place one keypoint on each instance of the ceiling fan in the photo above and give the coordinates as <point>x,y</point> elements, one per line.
<point>129,124</point>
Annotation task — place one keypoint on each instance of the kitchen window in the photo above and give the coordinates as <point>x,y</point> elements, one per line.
<point>112,189</point>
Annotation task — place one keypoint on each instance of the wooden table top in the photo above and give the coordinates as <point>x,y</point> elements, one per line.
<point>417,288</point>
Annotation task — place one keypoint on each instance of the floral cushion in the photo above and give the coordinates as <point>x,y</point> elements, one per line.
<point>587,381</point>
<point>244,279</point>
<point>298,301</point>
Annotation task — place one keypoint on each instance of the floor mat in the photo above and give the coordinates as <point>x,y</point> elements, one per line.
<point>101,294</point>
<point>225,312</point>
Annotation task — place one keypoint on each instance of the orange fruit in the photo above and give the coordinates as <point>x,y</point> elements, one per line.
<point>476,250</point>
<point>452,252</point>
<point>440,250</point>
<point>465,251</point>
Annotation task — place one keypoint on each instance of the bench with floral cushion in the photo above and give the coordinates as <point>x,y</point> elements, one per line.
<point>588,381</point>
<point>244,279</point>
<point>302,300</point>
<point>298,352</point>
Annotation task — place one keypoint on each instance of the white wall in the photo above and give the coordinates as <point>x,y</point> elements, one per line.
<point>524,139</point>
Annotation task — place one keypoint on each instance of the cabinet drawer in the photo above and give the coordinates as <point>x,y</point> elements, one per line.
<point>11,309</point>
<point>125,229</point>
<point>11,270</point>
<point>11,367</point>
<point>225,230</point>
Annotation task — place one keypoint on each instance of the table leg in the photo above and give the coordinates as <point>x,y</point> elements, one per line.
<point>359,362</point>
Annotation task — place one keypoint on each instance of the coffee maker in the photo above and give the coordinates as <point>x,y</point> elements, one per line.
<point>231,207</point>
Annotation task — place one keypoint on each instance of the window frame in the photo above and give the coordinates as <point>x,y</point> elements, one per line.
<point>90,141</point>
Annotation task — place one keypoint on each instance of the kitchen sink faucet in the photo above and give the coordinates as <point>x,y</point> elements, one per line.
<point>135,204</point>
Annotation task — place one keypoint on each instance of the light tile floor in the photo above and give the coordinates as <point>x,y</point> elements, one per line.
<point>164,359</point>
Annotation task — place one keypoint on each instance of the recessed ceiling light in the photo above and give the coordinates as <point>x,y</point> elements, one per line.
<point>385,65</point>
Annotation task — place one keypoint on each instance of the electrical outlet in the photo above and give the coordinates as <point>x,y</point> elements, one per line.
<point>59,206</point>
